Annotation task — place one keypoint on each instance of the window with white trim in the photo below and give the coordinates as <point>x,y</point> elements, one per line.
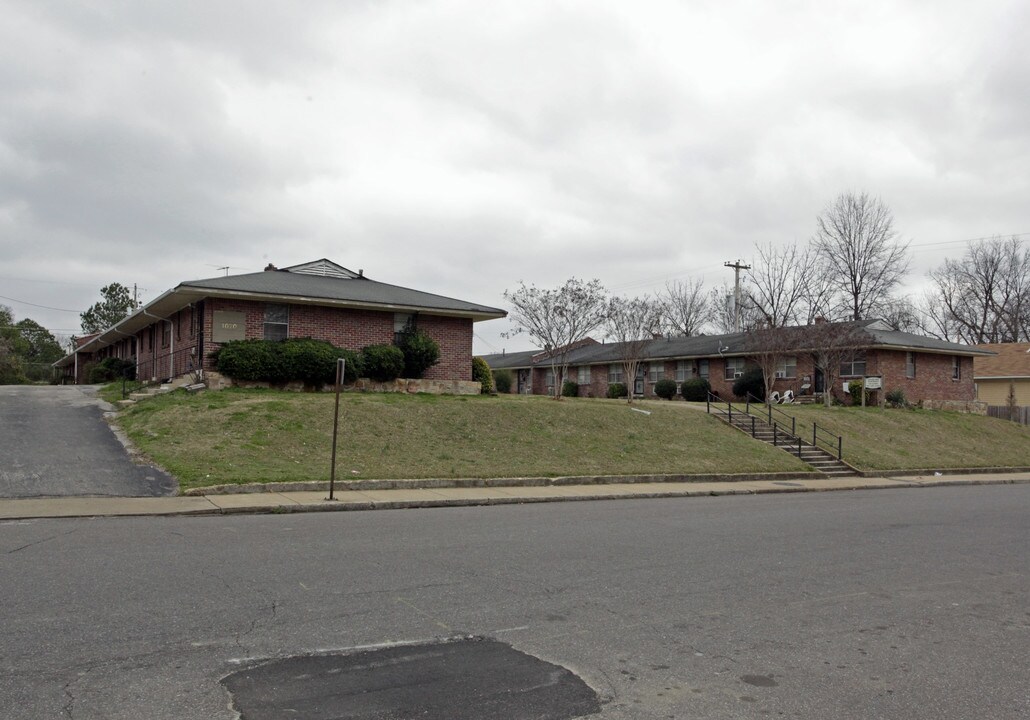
<point>655,370</point>
<point>787,367</point>
<point>733,366</point>
<point>583,375</point>
<point>956,368</point>
<point>682,370</point>
<point>614,373</point>
<point>853,366</point>
<point>277,321</point>
<point>910,365</point>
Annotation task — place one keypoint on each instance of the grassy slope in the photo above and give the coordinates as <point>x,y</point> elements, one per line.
<point>876,439</point>
<point>265,436</point>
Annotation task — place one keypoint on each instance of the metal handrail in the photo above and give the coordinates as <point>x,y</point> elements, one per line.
<point>827,438</point>
<point>771,410</point>
<point>776,425</point>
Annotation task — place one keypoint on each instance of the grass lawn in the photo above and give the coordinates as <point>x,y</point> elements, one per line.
<point>238,436</point>
<point>891,439</point>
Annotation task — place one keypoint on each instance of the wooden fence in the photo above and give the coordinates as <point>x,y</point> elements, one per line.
<point>1019,414</point>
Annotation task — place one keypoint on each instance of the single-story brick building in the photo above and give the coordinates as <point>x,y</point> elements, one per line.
<point>925,369</point>
<point>175,333</point>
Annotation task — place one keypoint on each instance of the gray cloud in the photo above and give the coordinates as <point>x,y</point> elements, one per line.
<point>440,146</point>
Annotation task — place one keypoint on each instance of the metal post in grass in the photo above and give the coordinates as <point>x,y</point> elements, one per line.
<point>340,365</point>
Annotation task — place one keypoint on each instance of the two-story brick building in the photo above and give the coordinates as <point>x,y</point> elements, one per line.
<point>175,333</point>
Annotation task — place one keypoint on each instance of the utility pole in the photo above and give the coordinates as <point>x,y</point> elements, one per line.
<point>737,267</point>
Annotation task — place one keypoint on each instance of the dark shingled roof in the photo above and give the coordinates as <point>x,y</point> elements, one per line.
<point>357,290</point>
<point>878,335</point>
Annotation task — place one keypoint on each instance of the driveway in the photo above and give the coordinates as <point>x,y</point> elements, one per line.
<point>55,442</point>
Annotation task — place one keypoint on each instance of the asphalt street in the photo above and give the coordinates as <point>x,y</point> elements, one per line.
<point>868,604</point>
<point>54,442</point>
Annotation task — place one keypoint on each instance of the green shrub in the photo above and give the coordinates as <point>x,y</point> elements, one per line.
<point>695,389</point>
<point>752,381</point>
<point>382,362</point>
<point>251,360</point>
<point>312,362</point>
<point>503,380</point>
<point>855,391</point>
<point>110,369</point>
<point>665,389</point>
<point>896,398</point>
<point>421,352</point>
<point>481,374</point>
<point>617,390</point>
<point>570,388</point>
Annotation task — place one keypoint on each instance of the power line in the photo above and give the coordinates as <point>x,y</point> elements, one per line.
<point>45,307</point>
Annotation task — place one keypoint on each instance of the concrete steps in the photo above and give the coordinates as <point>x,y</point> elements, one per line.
<point>812,455</point>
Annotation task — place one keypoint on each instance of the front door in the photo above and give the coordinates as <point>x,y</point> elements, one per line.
<point>638,382</point>
<point>819,382</point>
<point>525,388</point>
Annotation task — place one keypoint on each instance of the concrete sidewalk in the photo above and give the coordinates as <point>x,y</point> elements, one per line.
<point>346,499</point>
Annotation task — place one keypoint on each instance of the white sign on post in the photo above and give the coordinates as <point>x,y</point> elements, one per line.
<point>873,383</point>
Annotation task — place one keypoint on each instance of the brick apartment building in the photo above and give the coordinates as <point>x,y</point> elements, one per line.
<point>921,367</point>
<point>175,333</point>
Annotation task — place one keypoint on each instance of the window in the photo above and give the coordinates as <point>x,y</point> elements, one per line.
<point>702,368</point>
<point>853,366</point>
<point>583,375</point>
<point>787,367</point>
<point>614,373</point>
<point>655,371</point>
<point>277,321</point>
<point>549,382</point>
<point>166,334</point>
<point>956,368</point>
<point>910,365</point>
<point>682,370</point>
<point>734,366</point>
<point>402,322</point>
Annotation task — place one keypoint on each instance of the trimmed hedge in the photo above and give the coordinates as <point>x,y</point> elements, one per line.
<point>312,362</point>
<point>482,375</point>
<point>695,389</point>
<point>382,363</point>
<point>665,389</point>
<point>570,388</point>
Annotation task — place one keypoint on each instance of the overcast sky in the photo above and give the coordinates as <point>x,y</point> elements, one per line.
<point>460,147</point>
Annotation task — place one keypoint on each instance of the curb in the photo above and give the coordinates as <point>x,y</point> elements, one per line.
<point>361,506</point>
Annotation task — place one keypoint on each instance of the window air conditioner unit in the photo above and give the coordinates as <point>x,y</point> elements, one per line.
<point>781,374</point>
<point>738,374</point>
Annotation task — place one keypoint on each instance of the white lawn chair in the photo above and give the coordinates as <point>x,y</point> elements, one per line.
<point>788,397</point>
<point>774,398</point>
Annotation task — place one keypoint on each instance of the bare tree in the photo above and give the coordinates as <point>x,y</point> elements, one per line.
<point>858,246</point>
<point>831,344</point>
<point>985,296</point>
<point>778,283</point>
<point>722,316</point>
<point>901,314</point>
<point>770,346</point>
<point>558,318</point>
<point>632,323</point>
<point>685,307</point>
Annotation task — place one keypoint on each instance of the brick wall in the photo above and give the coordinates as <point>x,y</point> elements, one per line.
<point>355,329</point>
<point>932,378</point>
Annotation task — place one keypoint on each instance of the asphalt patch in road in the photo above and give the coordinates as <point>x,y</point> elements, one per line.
<point>467,679</point>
